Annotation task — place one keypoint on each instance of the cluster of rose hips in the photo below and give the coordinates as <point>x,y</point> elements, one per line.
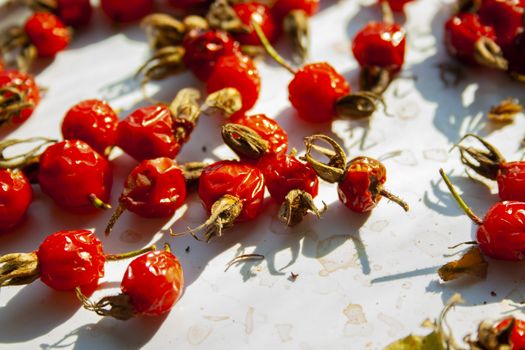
<point>489,33</point>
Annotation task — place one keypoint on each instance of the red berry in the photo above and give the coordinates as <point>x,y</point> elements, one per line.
<point>239,72</point>
<point>70,259</point>
<point>240,180</point>
<point>153,282</point>
<point>380,44</point>
<point>267,128</point>
<point>147,133</point>
<point>281,8</point>
<point>155,188</point>
<point>91,121</point>
<point>24,85</point>
<point>461,34</point>
<point>515,54</point>
<point>204,48</point>
<point>126,10</point>
<point>505,16</point>
<point>15,197</point>
<point>397,5</point>
<point>74,13</point>
<point>260,13</point>
<point>283,173</point>
<point>517,334</point>
<point>187,4</point>
<point>314,91</point>
<point>72,174</point>
<point>47,32</point>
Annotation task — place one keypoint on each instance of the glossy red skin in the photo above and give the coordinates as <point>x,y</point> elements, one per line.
<point>203,49</point>
<point>515,54</point>
<point>502,234</point>
<point>237,179</point>
<point>185,4</point>
<point>267,128</point>
<point>15,197</point>
<point>148,133</point>
<point>70,171</point>
<point>126,10</point>
<point>91,121</point>
<point>315,89</point>
<point>264,17</point>
<point>380,44</point>
<point>517,336</point>
<point>505,16</point>
<point>397,5</point>
<point>153,282</point>
<point>47,32</point>
<point>283,173</point>
<point>511,181</point>
<point>239,72</point>
<point>156,188</point>
<point>281,8</point>
<point>74,13</point>
<point>354,189</point>
<point>25,84</point>
<point>70,259</point>
<point>461,34</point>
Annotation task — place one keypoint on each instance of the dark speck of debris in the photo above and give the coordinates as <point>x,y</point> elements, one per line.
<point>187,250</point>
<point>484,303</point>
<point>493,293</point>
<point>204,149</point>
<point>293,276</point>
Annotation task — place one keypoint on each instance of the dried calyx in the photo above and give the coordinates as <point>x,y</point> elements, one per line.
<point>163,30</point>
<point>244,141</point>
<point>295,25</point>
<point>484,162</point>
<point>333,170</point>
<point>468,6</point>
<point>374,79</point>
<point>192,172</point>
<point>488,53</point>
<point>18,269</point>
<point>41,5</point>
<point>472,263</point>
<point>296,205</point>
<point>222,16</point>
<point>26,159</point>
<point>227,101</point>
<point>505,111</point>
<point>15,42</point>
<point>185,111</point>
<point>490,337</point>
<point>12,102</point>
<point>358,105</point>
<point>164,62</point>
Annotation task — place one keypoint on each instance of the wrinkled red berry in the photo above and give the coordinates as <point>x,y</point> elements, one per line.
<point>397,5</point>
<point>74,13</point>
<point>47,32</point>
<point>91,121</point>
<point>515,54</point>
<point>126,10</point>
<point>281,8</point>
<point>505,16</point>
<point>23,84</point>
<point>267,128</point>
<point>314,91</point>
<point>203,49</point>
<point>15,197</point>
<point>260,13</point>
<point>71,173</point>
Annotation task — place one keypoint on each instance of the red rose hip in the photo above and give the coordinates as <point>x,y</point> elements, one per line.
<point>47,33</point>
<point>126,10</point>
<point>19,96</point>
<point>248,11</point>
<point>15,197</point>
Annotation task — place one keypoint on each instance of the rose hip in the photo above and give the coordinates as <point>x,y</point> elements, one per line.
<point>396,5</point>
<point>94,122</point>
<point>76,13</point>
<point>126,10</point>
<point>15,197</point>
<point>505,16</point>
<point>246,11</point>
<point>19,96</point>
<point>47,33</point>
<point>75,176</point>
<point>514,329</point>
<point>281,8</point>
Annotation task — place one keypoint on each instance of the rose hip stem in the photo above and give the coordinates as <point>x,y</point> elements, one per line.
<point>64,261</point>
<point>151,286</point>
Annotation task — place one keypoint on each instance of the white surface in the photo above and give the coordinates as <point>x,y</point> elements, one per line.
<point>363,280</point>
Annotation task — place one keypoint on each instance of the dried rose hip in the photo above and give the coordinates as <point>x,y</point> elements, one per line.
<point>94,122</point>
<point>248,11</point>
<point>15,197</point>
<point>505,16</point>
<point>151,286</point>
<point>360,181</point>
<point>501,233</point>
<point>64,261</point>
<point>19,96</point>
<point>75,176</point>
<point>126,10</point>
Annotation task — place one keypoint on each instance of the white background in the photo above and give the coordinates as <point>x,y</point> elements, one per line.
<point>364,280</point>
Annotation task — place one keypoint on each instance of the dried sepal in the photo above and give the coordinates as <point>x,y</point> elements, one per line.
<point>192,172</point>
<point>358,105</point>
<point>164,62</point>
<point>227,101</point>
<point>333,170</point>
<point>517,77</point>
<point>42,5</point>
<point>295,25</point>
<point>186,105</point>
<point>505,111</point>
<point>117,306</point>
<point>489,54</point>
<point>18,269</point>
<point>163,30</point>
<point>14,42</point>
<point>296,205</point>
<point>222,16</point>
<point>21,160</point>
<point>490,337</point>
<point>471,6</point>
<point>471,263</point>
<point>12,102</point>
<point>484,162</point>
<point>244,141</point>
<point>195,22</point>
<point>374,79</point>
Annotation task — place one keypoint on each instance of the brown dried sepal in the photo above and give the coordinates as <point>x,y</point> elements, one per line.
<point>471,6</point>
<point>192,172</point>
<point>12,102</point>
<point>505,111</point>
<point>117,306</point>
<point>163,30</point>
<point>374,79</point>
<point>222,16</point>
<point>358,105</point>
<point>295,25</point>
<point>18,269</point>
<point>484,162</point>
<point>471,263</point>
<point>42,5</point>
<point>296,205</point>
<point>164,62</point>
<point>517,77</point>
<point>227,101</point>
<point>491,338</point>
<point>185,111</point>
<point>244,141</point>
<point>487,53</point>
<point>224,212</point>
<point>332,171</point>
<point>15,42</point>
<point>194,22</point>
<point>19,161</point>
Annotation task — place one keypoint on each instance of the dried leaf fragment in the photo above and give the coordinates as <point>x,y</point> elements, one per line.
<point>471,263</point>
<point>505,111</point>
